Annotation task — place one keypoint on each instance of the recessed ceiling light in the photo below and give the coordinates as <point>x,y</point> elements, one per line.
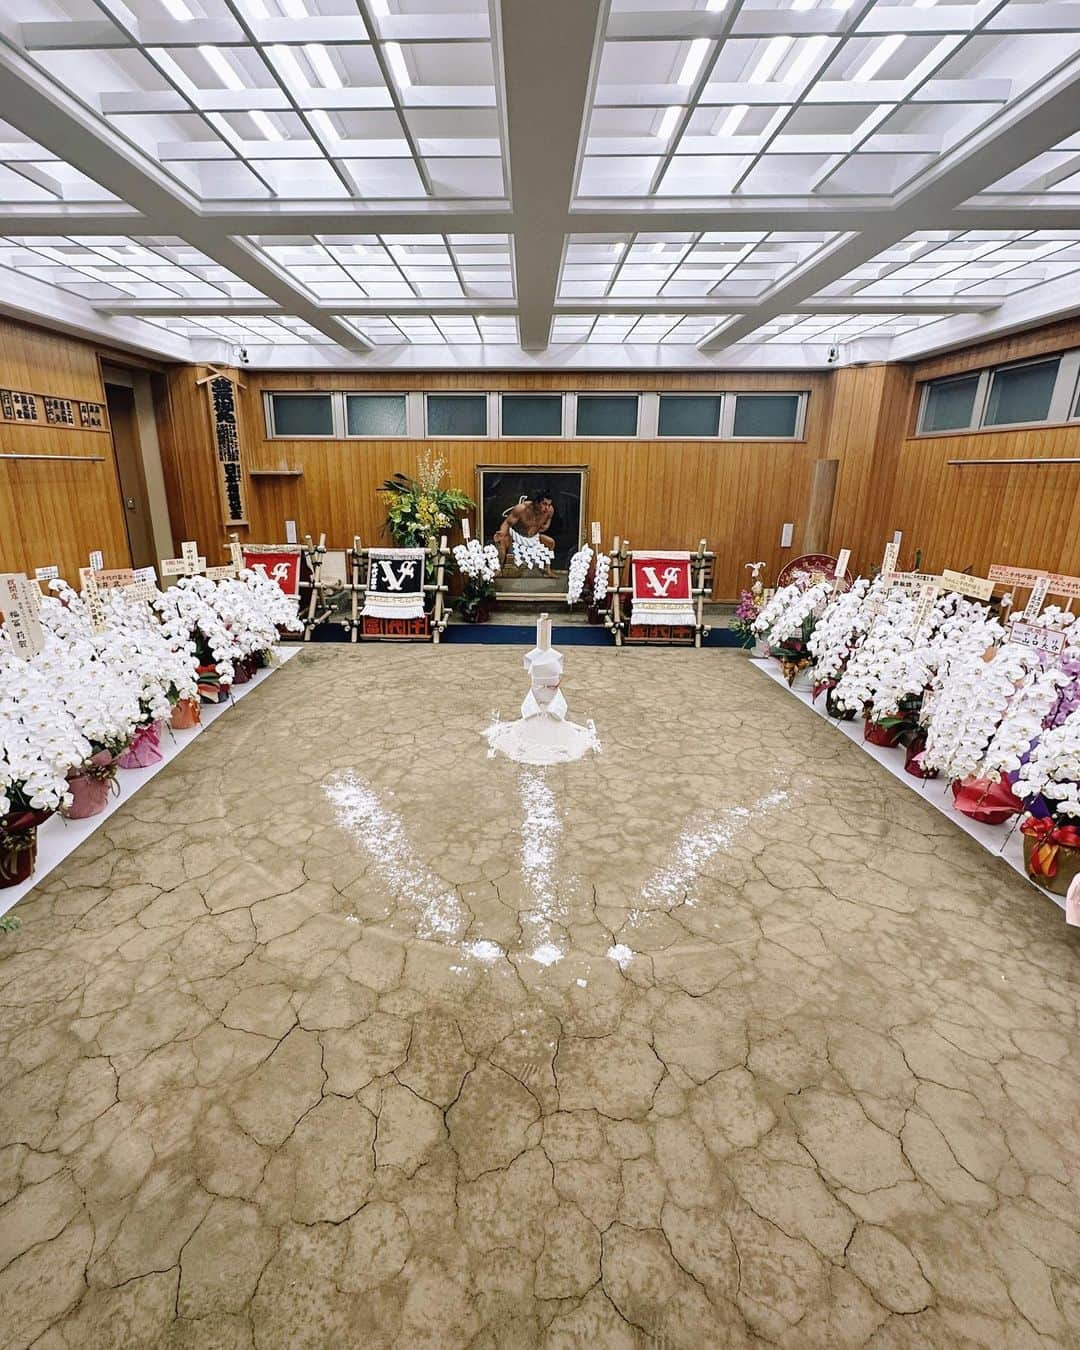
<point>770,58</point>
<point>885,49</point>
<point>668,122</point>
<point>695,59</point>
<point>221,68</point>
<point>323,65</point>
<point>400,71</point>
<point>178,10</point>
<point>265,125</point>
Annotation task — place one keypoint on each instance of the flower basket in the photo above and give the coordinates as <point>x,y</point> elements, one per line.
<point>1051,853</point>
<point>211,687</point>
<point>145,748</point>
<point>791,667</point>
<point>913,758</point>
<point>90,787</point>
<point>990,800</point>
<point>834,709</point>
<point>18,845</point>
<point>185,714</point>
<point>881,733</point>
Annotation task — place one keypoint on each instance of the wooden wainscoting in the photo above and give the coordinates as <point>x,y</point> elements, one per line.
<point>54,510</point>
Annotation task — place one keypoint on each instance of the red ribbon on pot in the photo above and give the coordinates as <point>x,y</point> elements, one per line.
<point>1049,838</point>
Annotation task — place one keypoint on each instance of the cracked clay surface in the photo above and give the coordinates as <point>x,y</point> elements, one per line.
<point>340,1033</point>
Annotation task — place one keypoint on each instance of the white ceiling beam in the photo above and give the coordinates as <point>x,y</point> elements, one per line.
<point>229,306</point>
<point>569,357</point>
<point>36,302</point>
<point>1040,304</point>
<point>1032,125</point>
<point>775,94</point>
<point>48,114</point>
<point>548,59</point>
<point>329,30</point>
<point>683,26</point>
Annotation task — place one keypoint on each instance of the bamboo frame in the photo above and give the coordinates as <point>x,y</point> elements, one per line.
<point>438,555</point>
<point>318,610</point>
<point>622,556</point>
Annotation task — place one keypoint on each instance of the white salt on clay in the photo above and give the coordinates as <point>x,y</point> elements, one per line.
<point>542,735</point>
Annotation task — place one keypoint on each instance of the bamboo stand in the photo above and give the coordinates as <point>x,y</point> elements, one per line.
<point>622,557</point>
<point>437,557</point>
<point>319,608</point>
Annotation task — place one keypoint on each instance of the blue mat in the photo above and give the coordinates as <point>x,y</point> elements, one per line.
<point>562,635</point>
<point>524,635</point>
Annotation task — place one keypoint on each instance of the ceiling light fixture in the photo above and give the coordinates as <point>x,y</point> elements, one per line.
<point>770,58</point>
<point>695,59</point>
<point>668,121</point>
<point>733,120</point>
<point>809,52</point>
<point>221,68</point>
<point>400,71</point>
<point>323,65</point>
<point>178,10</point>
<point>265,125</point>
<point>886,48</point>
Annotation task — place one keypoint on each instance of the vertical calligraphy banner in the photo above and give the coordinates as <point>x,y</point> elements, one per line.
<point>226,429</point>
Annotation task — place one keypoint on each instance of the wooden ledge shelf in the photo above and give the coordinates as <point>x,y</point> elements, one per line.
<point>275,473</point>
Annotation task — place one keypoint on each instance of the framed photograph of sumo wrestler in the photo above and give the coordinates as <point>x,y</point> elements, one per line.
<point>533,514</point>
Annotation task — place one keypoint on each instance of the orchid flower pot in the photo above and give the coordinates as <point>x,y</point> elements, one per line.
<point>879,734</point>
<point>145,748</point>
<point>835,711</point>
<point>18,845</point>
<point>990,800</point>
<point>185,714</point>
<point>1051,853</point>
<point>913,758</point>
<point>90,787</point>
<point>243,669</point>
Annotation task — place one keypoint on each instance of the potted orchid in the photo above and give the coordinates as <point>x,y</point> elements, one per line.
<point>479,565</point>
<point>742,621</point>
<point>39,742</point>
<point>1050,779</point>
<point>788,620</point>
<point>837,635</point>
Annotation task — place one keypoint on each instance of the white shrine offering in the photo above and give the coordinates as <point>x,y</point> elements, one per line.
<point>542,734</point>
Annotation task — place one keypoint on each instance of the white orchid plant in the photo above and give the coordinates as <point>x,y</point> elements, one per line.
<point>40,740</point>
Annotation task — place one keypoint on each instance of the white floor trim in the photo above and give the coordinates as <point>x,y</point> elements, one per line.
<point>1004,840</point>
<point>58,837</point>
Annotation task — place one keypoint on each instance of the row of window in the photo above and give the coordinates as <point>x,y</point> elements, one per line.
<point>1024,393</point>
<point>727,416</point>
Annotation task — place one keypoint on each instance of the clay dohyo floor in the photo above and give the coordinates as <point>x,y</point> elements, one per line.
<point>340,1034</point>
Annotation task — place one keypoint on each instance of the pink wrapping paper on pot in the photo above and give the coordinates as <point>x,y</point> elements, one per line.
<point>145,748</point>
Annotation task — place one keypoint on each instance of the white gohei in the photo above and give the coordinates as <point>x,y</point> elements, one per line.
<point>542,734</point>
<point>577,572</point>
<point>600,577</point>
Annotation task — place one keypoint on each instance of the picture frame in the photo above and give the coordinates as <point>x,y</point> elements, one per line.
<point>500,488</point>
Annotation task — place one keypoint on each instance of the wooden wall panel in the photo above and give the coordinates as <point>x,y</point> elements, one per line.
<point>56,510</point>
<point>1028,515</point>
<point>661,494</point>
<point>656,493</point>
